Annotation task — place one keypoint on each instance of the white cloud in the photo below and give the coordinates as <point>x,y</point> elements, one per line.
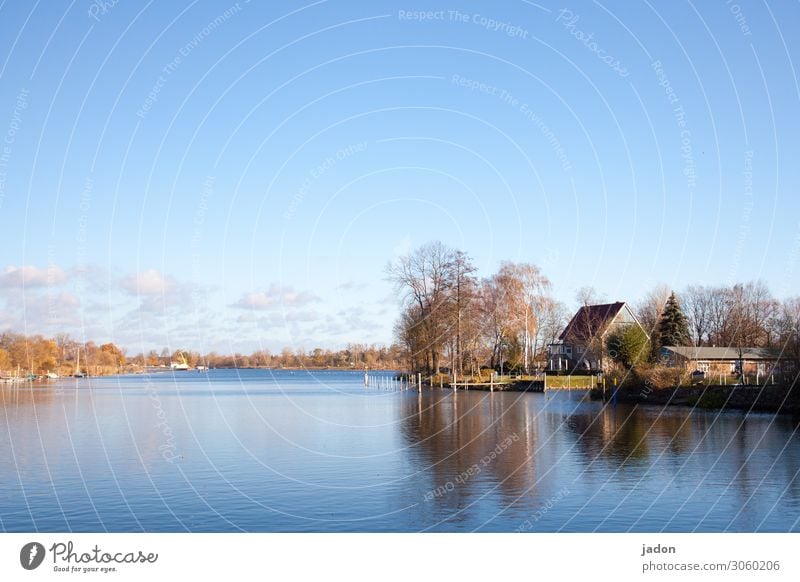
<point>352,286</point>
<point>161,294</point>
<point>30,276</point>
<point>255,301</point>
<point>91,278</point>
<point>289,320</point>
<point>276,296</point>
<point>148,283</point>
<point>41,313</point>
<point>350,324</point>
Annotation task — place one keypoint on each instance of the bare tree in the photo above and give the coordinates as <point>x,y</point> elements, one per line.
<point>649,309</point>
<point>697,306</point>
<point>499,315</point>
<point>410,332</point>
<point>553,319</point>
<point>526,293</point>
<point>588,295</point>
<point>424,278</point>
<point>584,327</point>
<point>788,328</point>
<point>463,294</point>
<point>750,308</point>
<point>720,326</point>
<point>474,349</point>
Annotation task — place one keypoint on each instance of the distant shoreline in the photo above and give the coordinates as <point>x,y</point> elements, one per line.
<point>159,370</point>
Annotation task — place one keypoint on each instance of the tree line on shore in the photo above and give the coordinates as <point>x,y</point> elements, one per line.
<point>36,354</point>
<point>354,355</point>
<point>738,316</point>
<point>455,320</point>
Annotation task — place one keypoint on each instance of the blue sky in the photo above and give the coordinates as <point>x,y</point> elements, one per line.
<point>234,176</point>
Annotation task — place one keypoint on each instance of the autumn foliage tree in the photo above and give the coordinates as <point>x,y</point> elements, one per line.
<point>448,315</point>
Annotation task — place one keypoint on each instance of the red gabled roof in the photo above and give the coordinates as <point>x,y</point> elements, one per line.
<point>591,319</point>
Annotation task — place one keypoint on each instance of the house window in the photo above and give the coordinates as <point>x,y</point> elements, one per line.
<point>734,366</point>
<point>702,366</point>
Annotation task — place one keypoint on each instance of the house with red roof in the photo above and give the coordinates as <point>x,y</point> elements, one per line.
<point>582,344</point>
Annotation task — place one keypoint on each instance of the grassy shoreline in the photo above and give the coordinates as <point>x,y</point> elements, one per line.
<point>775,398</point>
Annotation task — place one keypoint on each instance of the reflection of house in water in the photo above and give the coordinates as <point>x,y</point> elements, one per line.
<point>581,346</point>
<point>628,433</point>
<point>609,433</point>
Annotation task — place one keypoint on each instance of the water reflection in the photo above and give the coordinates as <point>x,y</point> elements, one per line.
<point>263,451</point>
<point>471,446</point>
<point>624,465</point>
<point>26,394</point>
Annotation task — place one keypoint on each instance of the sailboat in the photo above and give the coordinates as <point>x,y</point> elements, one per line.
<point>183,365</point>
<point>78,373</point>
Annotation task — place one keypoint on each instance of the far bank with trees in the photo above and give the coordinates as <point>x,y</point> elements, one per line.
<point>457,323</point>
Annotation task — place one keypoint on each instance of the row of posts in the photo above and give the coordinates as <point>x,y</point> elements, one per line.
<point>408,381</point>
<point>387,382</point>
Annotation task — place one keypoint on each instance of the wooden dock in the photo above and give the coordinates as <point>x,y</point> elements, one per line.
<point>514,386</point>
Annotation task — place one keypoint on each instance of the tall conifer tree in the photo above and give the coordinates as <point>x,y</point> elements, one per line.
<point>673,327</point>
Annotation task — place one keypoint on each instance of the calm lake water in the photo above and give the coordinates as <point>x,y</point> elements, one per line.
<point>255,450</point>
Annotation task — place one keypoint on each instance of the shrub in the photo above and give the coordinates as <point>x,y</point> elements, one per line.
<point>629,346</point>
<point>437,378</point>
<point>654,377</point>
